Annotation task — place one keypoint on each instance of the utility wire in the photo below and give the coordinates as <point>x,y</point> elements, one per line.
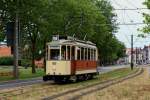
<point>131,9</point>
<point>125,13</point>
<point>127,25</point>
<point>139,11</point>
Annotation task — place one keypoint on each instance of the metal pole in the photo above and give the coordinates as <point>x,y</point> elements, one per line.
<point>136,52</point>
<point>15,70</point>
<point>131,52</point>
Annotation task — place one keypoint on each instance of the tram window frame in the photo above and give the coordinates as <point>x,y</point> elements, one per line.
<point>63,52</point>
<point>94,54</point>
<point>82,53</point>
<point>89,54</point>
<point>78,53</point>
<point>86,55</point>
<point>68,52</point>
<point>55,57</point>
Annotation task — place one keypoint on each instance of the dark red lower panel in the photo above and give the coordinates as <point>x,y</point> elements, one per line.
<point>79,65</point>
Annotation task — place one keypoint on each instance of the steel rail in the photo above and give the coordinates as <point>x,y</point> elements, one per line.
<point>105,83</point>
<point>76,97</point>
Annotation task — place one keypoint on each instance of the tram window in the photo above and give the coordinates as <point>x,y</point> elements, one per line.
<point>54,54</point>
<point>94,55</point>
<point>78,53</point>
<point>85,54</point>
<point>82,53</point>
<point>91,54</point>
<point>63,53</point>
<point>72,53</point>
<point>88,54</point>
<point>68,53</point>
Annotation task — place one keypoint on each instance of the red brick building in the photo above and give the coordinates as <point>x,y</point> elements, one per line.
<point>5,51</point>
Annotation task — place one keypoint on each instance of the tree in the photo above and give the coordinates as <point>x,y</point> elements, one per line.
<point>93,19</point>
<point>2,36</point>
<point>146,29</point>
<point>29,16</point>
<point>30,25</point>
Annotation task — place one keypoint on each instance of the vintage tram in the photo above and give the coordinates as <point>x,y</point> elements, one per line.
<point>70,59</point>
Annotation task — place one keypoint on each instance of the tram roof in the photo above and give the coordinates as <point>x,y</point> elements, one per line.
<point>73,42</point>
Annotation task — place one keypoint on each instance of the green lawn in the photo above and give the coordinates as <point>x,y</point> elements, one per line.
<point>23,73</point>
<point>50,90</point>
<point>27,73</point>
<point>118,73</point>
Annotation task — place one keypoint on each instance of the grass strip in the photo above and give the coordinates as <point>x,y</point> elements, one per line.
<point>23,73</point>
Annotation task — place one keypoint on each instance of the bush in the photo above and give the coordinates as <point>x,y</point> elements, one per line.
<point>6,60</point>
<point>25,62</point>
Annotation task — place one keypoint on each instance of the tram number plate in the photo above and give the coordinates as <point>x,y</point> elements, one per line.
<point>53,63</point>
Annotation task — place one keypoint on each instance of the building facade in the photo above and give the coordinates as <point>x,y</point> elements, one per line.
<point>5,51</point>
<point>140,55</point>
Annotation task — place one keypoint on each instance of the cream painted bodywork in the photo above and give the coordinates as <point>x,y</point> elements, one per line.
<point>58,67</point>
<point>86,71</point>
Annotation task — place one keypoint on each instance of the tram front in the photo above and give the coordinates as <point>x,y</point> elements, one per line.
<point>58,64</point>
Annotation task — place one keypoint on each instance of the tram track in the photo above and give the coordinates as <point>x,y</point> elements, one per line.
<point>77,93</point>
<point>48,86</point>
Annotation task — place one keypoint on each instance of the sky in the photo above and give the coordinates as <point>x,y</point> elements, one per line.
<point>130,16</point>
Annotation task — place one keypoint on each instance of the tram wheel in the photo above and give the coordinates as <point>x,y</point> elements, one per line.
<point>74,78</point>
<point>90,76</point>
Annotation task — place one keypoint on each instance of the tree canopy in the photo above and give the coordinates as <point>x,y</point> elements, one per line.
<point>39,20</point>
<point>146,29</point>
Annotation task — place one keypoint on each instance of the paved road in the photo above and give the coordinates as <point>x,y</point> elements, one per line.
<point>17,83</point>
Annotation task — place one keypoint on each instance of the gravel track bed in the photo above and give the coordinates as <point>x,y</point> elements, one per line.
<point>75,94</point>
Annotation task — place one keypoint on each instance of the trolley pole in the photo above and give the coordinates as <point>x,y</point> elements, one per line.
<point>15,69</point>
<point>132,52</point>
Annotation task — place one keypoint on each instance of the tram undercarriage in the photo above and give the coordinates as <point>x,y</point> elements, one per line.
<point>69,78</point>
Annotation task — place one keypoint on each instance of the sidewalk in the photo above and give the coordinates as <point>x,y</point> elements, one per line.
<point>23,82</point>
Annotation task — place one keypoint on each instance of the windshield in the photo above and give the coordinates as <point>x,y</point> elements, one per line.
<point>54,54</point>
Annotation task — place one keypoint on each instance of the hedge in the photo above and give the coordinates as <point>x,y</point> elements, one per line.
<point>6,60</point>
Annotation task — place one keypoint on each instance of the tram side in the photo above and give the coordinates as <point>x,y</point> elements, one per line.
<point>70,61</point>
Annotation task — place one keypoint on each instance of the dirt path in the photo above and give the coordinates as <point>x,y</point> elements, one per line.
<point>137,88</point>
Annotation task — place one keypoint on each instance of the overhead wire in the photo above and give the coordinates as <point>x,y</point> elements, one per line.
<point>125,13</point>
<point>139,10</point>
<point>123,22</point>
<point>130,3</point>
<point>123,33</point>
<point>135,9</point>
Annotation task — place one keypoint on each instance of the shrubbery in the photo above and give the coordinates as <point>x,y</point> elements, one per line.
<point>25,62</point>
<point>6,60</point>
<point>9,61</point>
